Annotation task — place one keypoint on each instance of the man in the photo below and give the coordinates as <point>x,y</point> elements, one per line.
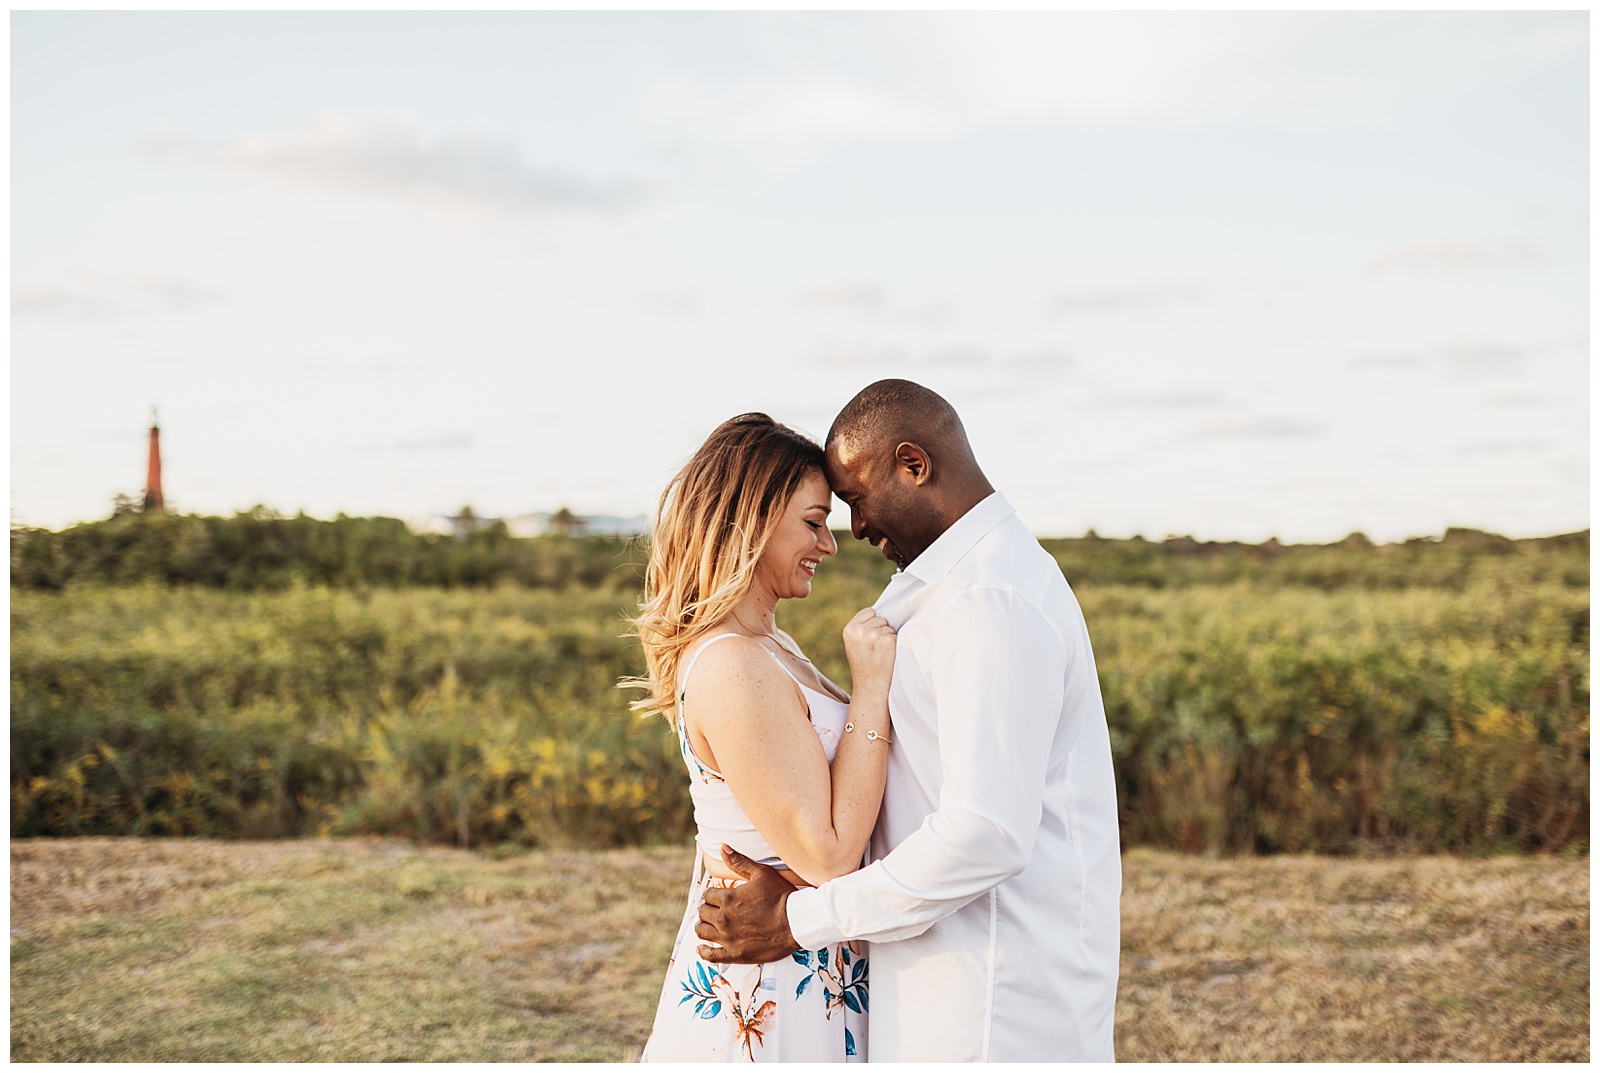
<point>991,902</point>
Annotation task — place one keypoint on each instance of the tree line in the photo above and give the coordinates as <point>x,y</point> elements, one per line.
<point>260,550</point>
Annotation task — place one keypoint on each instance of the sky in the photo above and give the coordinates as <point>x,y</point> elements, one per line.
<point>1233,276</point>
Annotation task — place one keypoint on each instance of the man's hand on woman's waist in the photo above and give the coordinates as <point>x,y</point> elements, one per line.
<point>749,924</point>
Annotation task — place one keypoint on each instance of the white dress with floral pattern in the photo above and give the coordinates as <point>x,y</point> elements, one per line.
<point>809,1007</point>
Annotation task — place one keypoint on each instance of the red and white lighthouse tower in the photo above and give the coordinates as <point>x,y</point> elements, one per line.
<point>153,500</point>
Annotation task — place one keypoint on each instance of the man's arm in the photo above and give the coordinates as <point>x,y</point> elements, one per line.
<point>997,669</point>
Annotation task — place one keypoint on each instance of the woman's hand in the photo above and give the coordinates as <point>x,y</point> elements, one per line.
<point>869,644</point>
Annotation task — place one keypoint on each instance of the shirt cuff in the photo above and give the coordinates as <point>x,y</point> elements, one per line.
<point>809,921</point>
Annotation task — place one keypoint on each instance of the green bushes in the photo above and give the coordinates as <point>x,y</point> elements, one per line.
<point>1250,710</point>
<point>1297,720</point>
<point>259,550</point>
<point>464,717</point>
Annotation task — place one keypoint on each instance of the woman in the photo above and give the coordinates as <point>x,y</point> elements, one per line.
<point>783,766</point>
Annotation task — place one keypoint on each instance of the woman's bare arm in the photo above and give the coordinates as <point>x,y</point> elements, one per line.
<point>752,718</point>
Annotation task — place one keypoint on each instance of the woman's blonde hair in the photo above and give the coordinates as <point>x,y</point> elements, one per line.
<point>714,521</point>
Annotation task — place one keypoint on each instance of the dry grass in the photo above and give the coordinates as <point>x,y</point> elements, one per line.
<point>1435,959</point>
<point>354,950</point>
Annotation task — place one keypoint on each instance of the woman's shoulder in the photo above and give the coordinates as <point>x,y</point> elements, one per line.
<point>739,668</point>
<point>727,653</point>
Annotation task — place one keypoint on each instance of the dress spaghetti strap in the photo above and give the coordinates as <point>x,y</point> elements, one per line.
<point>683,679</point>
<point>683,688</point>
<point>684,743</point>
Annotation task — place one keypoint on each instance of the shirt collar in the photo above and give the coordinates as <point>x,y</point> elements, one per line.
<point>953,544</point>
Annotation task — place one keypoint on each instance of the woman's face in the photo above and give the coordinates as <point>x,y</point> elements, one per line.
<point>801,540</point>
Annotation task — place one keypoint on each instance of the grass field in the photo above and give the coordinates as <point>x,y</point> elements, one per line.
<point>366,950</point>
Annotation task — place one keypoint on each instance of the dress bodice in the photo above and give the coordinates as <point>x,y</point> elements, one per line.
<point>718,818</point>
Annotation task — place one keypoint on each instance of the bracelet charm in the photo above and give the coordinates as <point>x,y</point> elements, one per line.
<point>872,735</point>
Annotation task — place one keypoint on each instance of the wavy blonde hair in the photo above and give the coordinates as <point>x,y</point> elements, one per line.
<point>714,521</point>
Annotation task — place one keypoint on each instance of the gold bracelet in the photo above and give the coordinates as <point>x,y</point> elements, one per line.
<point>872,735</point>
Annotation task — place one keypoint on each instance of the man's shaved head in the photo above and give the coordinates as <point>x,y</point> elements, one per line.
<point>898,456</point>
<point>890,412</point>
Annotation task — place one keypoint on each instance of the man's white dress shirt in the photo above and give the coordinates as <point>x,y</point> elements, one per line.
<point>992,896</point>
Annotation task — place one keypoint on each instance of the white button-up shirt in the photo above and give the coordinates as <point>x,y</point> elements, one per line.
<point>992,896</point>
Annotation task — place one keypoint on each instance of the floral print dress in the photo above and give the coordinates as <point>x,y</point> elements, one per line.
<point>810,1007</point>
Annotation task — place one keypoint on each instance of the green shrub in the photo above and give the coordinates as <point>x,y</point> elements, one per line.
<point>1258,701</point>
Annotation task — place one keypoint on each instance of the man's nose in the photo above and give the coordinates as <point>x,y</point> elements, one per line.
<point>858,528</point>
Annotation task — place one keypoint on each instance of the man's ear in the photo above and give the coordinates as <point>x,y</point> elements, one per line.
<point>913,462</point>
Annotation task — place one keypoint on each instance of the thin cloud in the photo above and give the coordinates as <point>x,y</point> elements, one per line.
<point>1021,366</point>
<point>1465,361</point>
<point>858,357</point>
<point>1107,462</point>
<point>426,445</point>
<point>1047,362</point>
<point>1125,298</point>
<point>1385,362</point>
<point>1475,361</point>
<point>1558,41</point>
<point>1501,447</point>
<point>865,296</point>
<point>1577,468</point>
<point>929,313</point>
<point>92,297</point>
<point>959,357</point>
<point>1175,399</point>
<point>385,158</point>
<point>958,72</point>
<point>167,291</point>
<point>32,299</point>
<point>671,302</point>
<point>797,114</point>
<point>331,367</point>
<point>1513,400</point>
<point>856,294</point>
<point>1254,426</point>
<point>1452,255</point>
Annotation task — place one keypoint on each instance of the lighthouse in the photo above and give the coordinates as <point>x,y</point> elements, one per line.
<point>153,500</point>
